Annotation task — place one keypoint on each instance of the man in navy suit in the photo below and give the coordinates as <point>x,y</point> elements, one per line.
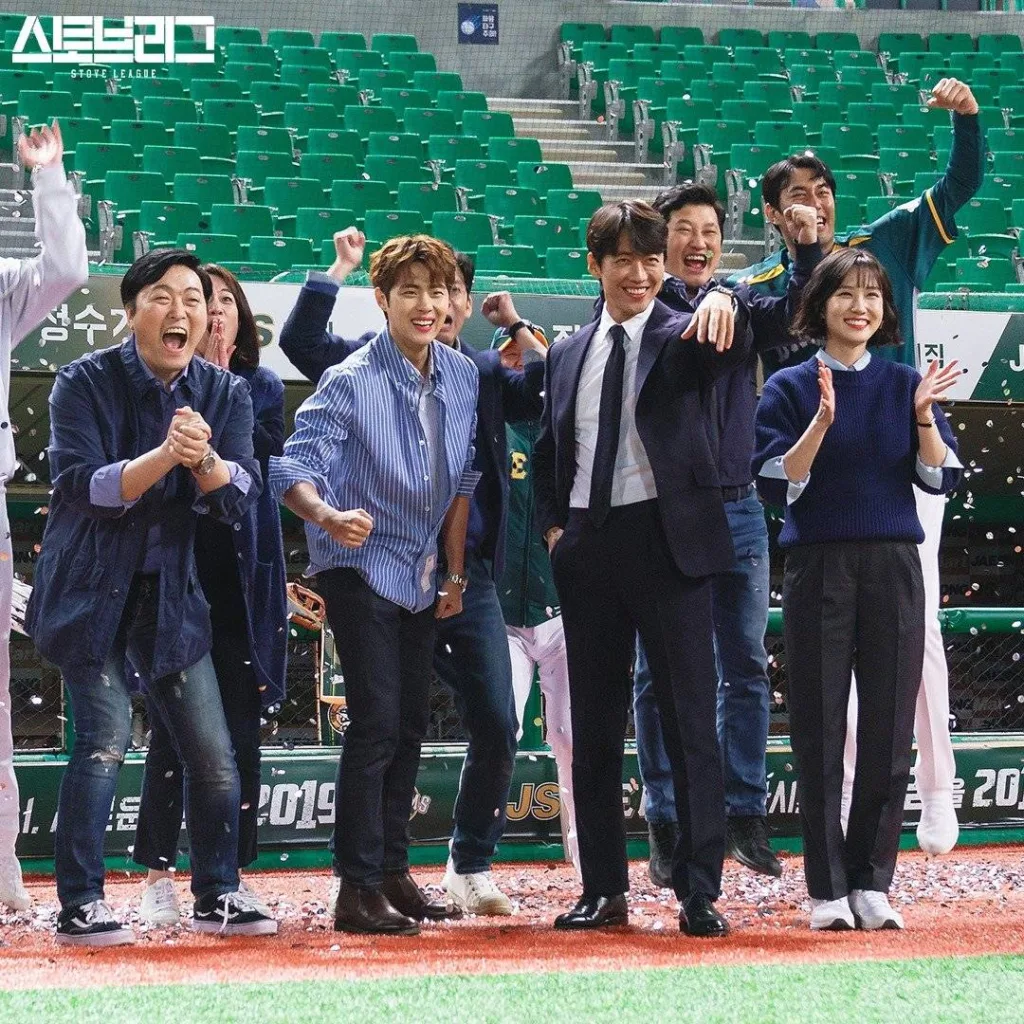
<point>630,504</point>
<point>472,651</point>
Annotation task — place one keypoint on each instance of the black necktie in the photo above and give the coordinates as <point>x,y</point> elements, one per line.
<point>608,421</point>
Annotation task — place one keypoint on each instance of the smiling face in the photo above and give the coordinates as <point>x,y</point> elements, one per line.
<point>853,312</point>
<point>630,280</point>
<point>169,320</point>
<point>694,245</point>
<point>805,188</point>
<point>460,307</point>
<point>416,308</point>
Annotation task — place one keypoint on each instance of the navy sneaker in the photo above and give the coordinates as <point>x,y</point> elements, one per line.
<point>92,924</point>
<point>232,913</point>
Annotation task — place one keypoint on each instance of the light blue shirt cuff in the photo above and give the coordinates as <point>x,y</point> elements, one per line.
<point>467,485</point>
<point>932,475</point>
<point>238,476</point>
<point>322,282</point>
<point>105,486</point>
<point>774,470</point>
<point>285,472</point>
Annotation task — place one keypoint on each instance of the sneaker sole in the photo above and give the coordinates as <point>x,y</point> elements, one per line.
<point>888,925</point>
<point>252,928</point>
<point>115,938</point>
<point>160,920</point>
<point>485,908</point>
<point>838,925</point>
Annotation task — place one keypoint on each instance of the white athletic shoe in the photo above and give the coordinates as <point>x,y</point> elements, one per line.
<point>13,893</point>
<point>332,896</point>
<point>159,905</point>
<point>938,829</point>
<point>873,912</point>
<point>476,894</point>
<point>244,889</point>
<point>831,916</point>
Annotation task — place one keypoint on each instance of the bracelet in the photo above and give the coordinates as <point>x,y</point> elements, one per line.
<point>517,326</point>
<point>931,423</point>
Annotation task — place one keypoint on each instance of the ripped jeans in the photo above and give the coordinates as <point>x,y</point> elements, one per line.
<point>189,704</point>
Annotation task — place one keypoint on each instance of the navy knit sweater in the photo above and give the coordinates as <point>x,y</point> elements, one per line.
<point>862,479</point>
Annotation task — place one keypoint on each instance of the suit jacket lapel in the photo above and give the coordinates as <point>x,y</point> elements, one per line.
<point>573,368</point>
<point>653,341</point>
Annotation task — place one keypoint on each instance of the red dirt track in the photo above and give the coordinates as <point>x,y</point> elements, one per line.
<point>969,903</point>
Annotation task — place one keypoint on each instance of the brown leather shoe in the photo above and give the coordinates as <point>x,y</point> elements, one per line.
<point>409,899</point>
<point>369,912</point>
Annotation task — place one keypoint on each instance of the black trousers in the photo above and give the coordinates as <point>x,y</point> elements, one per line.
<point>162,801</point>
<point>386,655</point>
<point>852,607</point>
<point>613,582</point>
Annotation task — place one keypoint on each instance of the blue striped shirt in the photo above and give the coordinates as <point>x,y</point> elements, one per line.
<point>361,441</point>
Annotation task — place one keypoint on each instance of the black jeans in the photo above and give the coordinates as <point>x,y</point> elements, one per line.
<point>385,654</point>
<point>162,802</point>
<point>855,606</point>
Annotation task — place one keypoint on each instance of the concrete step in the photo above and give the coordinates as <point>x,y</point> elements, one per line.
<point>566,109</point>
<point>543,128</point>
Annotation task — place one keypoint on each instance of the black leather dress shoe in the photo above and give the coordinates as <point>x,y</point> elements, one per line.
<point>409,899</point>
<point>747,841</point>
<point>698,917</point>
<point>663,837</point>
<point>595,912</point>
<point>369,912</point>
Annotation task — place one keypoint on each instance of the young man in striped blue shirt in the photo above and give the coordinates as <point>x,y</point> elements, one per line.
<point>380,465</point>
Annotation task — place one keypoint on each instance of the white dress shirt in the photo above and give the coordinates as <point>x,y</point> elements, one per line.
<point>633,480</point>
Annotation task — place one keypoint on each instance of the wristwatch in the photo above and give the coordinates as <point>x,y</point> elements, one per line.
<point>205,465</point>
<point>725,291</point>
<point>460,581</point>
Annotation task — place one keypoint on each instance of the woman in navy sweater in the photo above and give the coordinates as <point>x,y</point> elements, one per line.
<point>842,440</point>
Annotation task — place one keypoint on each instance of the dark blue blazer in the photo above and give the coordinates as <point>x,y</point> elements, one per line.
<point>506,396</point>
<point>102,410</point>
<point>673,378</point>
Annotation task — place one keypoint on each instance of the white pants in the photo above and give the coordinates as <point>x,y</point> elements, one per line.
<point>9,806</point>
<point>543,647</point>
<point>936,767</point>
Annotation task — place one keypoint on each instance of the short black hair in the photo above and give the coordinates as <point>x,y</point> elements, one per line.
<point>466,265</point>
<point>689,194</point>
<point>776,178</point>
<point>151,266</point>
<point>643,225</point>
<point>809,321</point>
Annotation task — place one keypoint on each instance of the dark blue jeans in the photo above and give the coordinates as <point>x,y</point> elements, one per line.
<point>189,707</point>
<point>740,604</point>
<point>472,658</point>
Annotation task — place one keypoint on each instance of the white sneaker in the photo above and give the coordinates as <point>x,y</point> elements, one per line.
<point>476,894</point>
<point>332,897</point>
<point>831,916</point>
<point>159,905</point>
<point>938,829</point>
<point>244,889</point>
<point>12,890</point>
<point>873,912</point>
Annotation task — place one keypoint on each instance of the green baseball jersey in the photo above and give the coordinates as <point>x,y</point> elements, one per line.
<point>906,241</point>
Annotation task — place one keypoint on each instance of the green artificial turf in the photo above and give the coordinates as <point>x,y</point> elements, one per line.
<point>960,990</point>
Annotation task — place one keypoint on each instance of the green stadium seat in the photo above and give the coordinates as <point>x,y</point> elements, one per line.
<point>987,227</point>
<point>707,56</point>
<point>682,73</point>
<point>507,203</point>
<point>904,136</point>
<point>14,81</point>
<point>251,53</point>
<point>507,261</point>
<point>163,221</point>
<point>211,248</point>
<point>570,264</point>
<point>169,111</point>
<point>1008,162</point>
<point>336,95</point>
<point>203,189</point>
<point>256,165</point>
<point>271,98</point>
<point>996,78</point>
<point>94,159</point>
<point>449,149</point>
<point>230,113</point>
<point>370,119</point>
<point>764,59</point>
<point>487,124</point>
<point>878,206</point>
<point>791,40</point>
<point>715,141</point>
<point>812,115</point>
<point>375,80</point>
<point>475,175</point>
<point>396,169</point>
<point>303,117</point>
<point>138,134</point>
<point>328,167</point>
<point>733,37</point>
<point>305,57</point>
<point>214,142</point>
<point>950,42</point>
<point>465,232</point>
<point>777,95</point>
<point>927,117</point>
<point>427,199</point>
<point>842,94</point>
<point>916,65</point>
<point>755,159</point>
<point>686,115</point>
<point>140,88</point>
<point>630,35</point>
<point>854,141</point>
<point>171,160</point>
<point>319,222</point>
<point>803,56</point>
<point>436,82</point>
<point>579,32</point>
<point>897,96</point>
<point>999,43</point>
<point>895,43</point>
<point>351,62</point>
<point>967,65</point>
<point>43,106</point>
<point>245,76</point>
<point>410,63</point>
<point>385,224</point>
<point>284,253</point>
<point>241,219</point>
<point>715,93</point>
<point>394,42</point>
<point>984,271</point>
<point>280,37</point>
<point>286,195</point>
<point>1004,140</point>
<point>1004,187</point>
<point>426,121</point>
<point>541,233</point>
<point>204,89</point>
<point>572,204</point>
<point>732,75</point>
<point>304,77</point>
<point>459,101</point>
<point>544,176</point>
<point>903,165</point>
<point>855,59</point>
<point>127,190</point>
<point>808,79</point>
<point>401,100</point>
<point>869,113</point>
<point>395,144</point>
<point>837,41</point>
<point>681,35</point>
<point>515,151</point>
<point>748,111</point>
<point>75,130</point>
<point>862,78</point>
<point>341,141</point>
<point>225,35</point>
<point>785,136</point>
<point>655,52</point>
<point>360,195</point>
<point>852,191</point>
<point>265,140</point>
